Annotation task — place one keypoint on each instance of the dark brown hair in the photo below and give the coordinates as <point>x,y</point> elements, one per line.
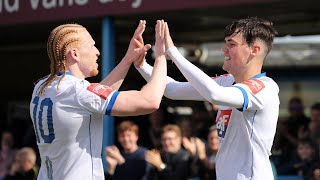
<point>253,28</point>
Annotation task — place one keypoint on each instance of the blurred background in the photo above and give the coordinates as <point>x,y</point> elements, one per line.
<point>197,28</point>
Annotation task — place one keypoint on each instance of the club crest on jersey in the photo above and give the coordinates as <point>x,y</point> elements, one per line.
<point>222,122</point>
<point>100,90</point>
<point>255,85</point>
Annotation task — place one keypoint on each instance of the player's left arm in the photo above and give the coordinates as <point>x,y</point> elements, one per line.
<point>175,90</point>
<point>257,92</point>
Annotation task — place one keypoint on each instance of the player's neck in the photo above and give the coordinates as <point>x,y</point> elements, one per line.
<point>246,75</point>
<point>76,73</point>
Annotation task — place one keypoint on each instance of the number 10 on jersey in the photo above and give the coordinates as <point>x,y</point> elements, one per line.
<point>39,117</point>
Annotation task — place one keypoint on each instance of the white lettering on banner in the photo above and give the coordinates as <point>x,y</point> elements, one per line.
<point>135,3</point>
<point>34,4</point>
<point>9,7</point>
<point>81,2</point>
<point>49,4</point>
<point>105,1</point>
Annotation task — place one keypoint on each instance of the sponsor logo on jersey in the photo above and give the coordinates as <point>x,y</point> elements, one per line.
<point>100,90</point>
<point>222,122</point>
<point>255,85</point>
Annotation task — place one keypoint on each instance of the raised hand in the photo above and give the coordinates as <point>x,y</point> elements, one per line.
<point>112,162</point>
<point>201,147</point>
<point>113,152</point>
<point>190,145</point>
<point>160,48</point>
<point>153,157</point>
<point>168,39</point>
<point>137,50</point>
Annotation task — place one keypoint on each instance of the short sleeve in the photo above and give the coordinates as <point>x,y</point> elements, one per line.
<point>97,98</point>
<point>254,93</point>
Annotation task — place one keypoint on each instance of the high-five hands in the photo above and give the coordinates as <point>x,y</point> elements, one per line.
<point>137,50</point>
<point>160,49</point>
<point>168,39</point>
<point>163,35</point>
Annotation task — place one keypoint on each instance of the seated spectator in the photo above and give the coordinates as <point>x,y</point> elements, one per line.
<point>288,130</point>
<point>7,153</point>
<point>24,167</point>
<point>305,158</point>
<point>130,162</point>
<point>208,171</point>
<point>314,125</point>
<point>173,162</point>
<point>206,155</point>
<point>314,172</point>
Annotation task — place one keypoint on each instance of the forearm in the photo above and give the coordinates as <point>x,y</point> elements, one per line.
<point>154,89</point>
<point>111,170</point>
<point>117,75</point>
<point>145,70</point>
<point>174,89</point>
<point>204,84</point>
<point>147,100</point>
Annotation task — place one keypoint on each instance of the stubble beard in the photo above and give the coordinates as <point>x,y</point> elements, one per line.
<point>94,72</point>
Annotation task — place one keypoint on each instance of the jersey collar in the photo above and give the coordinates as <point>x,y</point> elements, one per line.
<point>259,75</point>
<point>68,73</point>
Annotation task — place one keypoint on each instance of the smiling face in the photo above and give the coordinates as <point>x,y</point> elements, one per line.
<point>88,55</point>
<point>128,140</point>
<point>248,41</point>
<point>213,140</point>
<point>237,53</point>
<point>170,141</point>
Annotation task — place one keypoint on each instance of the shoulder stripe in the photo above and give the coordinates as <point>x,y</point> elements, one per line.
<point>245,99</point>
<point>111,103</point>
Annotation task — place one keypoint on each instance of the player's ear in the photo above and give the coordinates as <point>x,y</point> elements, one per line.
<point>256,49</point>
<point>74,54</point>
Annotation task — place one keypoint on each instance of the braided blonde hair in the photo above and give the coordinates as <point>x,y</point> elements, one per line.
<point>59,40</point>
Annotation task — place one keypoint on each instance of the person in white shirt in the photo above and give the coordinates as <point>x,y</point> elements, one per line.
<point>67,111</point>
<point>248,100</point>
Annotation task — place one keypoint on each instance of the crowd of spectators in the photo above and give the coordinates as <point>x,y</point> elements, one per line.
<point>165,146</point>
<point>297,141</point>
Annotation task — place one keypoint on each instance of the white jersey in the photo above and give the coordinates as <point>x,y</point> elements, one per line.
<point>68,126</point>
<point>246,135</point>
